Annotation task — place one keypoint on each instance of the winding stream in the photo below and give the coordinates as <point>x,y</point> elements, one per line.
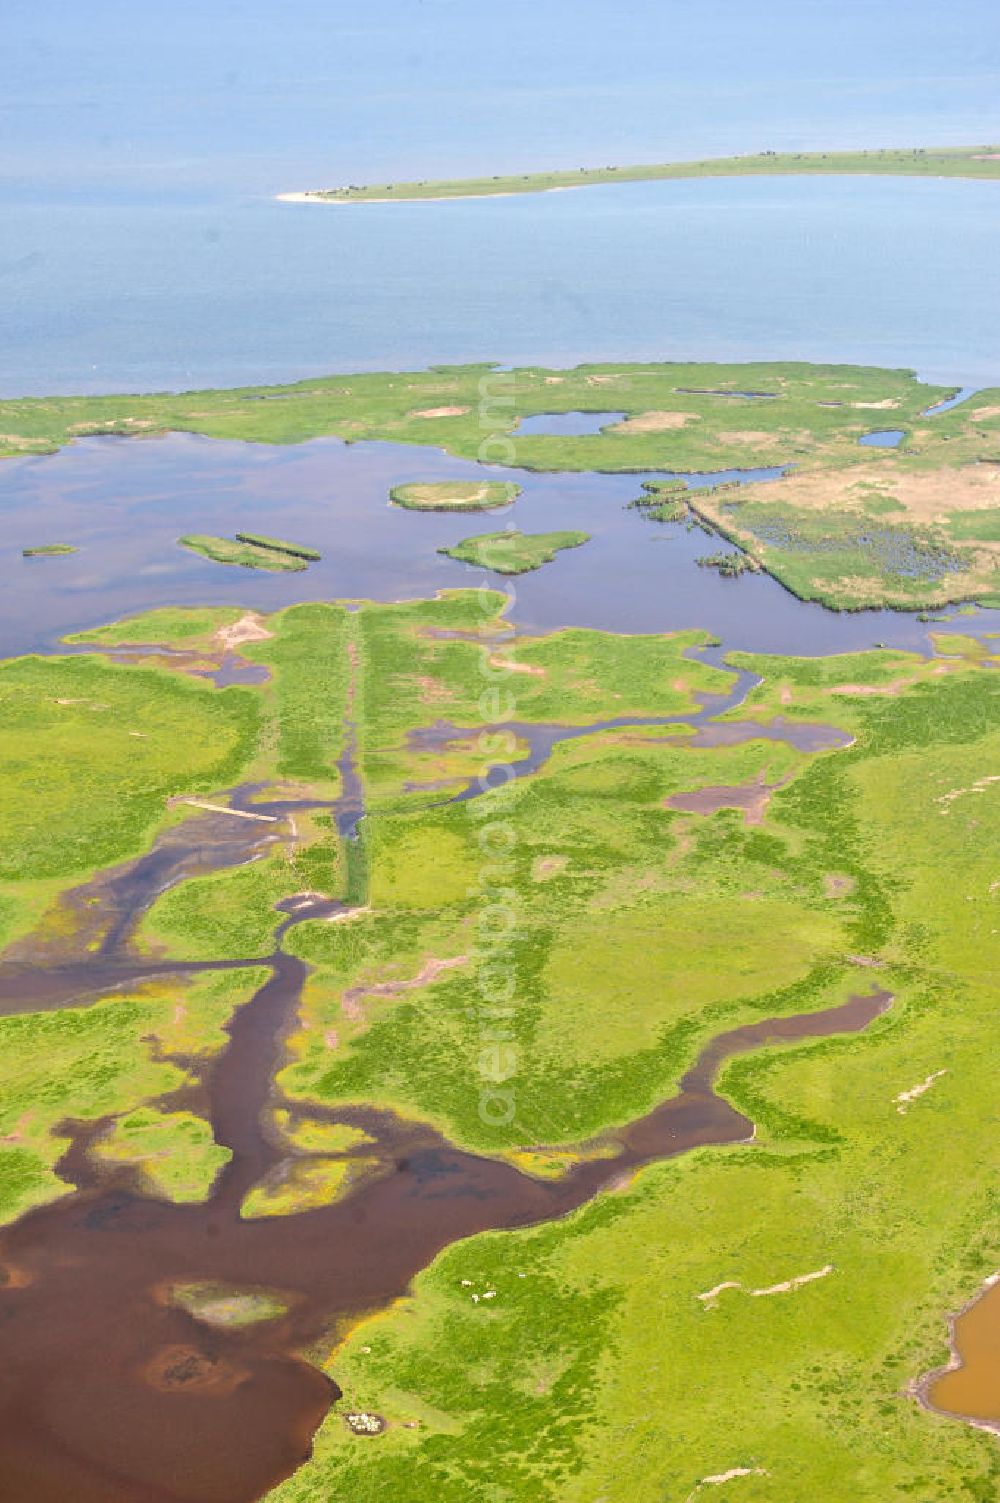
<point>109,1393</point>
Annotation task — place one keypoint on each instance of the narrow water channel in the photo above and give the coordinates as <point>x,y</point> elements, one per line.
<point>110,1393</point>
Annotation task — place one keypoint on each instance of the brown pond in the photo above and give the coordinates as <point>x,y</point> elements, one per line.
<point>969,1389</point>
<point>752,798</point>
<point>109,1393</point>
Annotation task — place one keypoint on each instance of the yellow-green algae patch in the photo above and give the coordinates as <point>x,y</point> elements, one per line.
<point>227,1306</point>
<point>311,1136</point>
<point>300,1185</point>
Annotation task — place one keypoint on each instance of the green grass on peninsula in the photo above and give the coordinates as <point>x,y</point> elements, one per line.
<point>514,552</point>
<point>946,161</point>
<point>168,626</point>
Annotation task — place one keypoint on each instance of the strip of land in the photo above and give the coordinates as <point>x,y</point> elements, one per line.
<point>920,161</point>
<point>249,551</point>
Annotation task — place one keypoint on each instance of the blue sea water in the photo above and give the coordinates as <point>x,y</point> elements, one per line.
<point>140,148</point>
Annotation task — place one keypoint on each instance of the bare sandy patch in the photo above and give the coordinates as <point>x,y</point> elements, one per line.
<point>133,424</point>
<point>894,687</point>
<point>925,495</point>
<point>787,1286</point>
<point>882,406</point>
<point>17,1132</point>
<point>747,436</point>
<point>905,1098</point>
<point>210,808</point>
<point>837,886</point>
<point>249,628</point>
<point>979,413</point>
<point>438,412</point>
<point>432,691</point>
<point>947,799</point>
<point>715,1479</point>
<point>350,1002</point>
<point>544,868</point>
<point>497,660</point>
<point>654,422</point>
<point>603,380</point>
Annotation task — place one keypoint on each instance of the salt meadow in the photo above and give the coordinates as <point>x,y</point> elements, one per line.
<point>250,834</point>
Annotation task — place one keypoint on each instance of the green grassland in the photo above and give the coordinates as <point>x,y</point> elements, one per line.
<point>848,525</point>
<point>243,553</point>
<point>953,161</point>
<point>309,646</point>
<point>454,495</point>
<point>49,550</point>
<point>89,754</point>
<point>853,557</point>
<point>641,932</point>
<point>514,552</point>
<point>301,646</point>
<point>596,1372</point>
<point>807,414</point>
<point>231,913</point>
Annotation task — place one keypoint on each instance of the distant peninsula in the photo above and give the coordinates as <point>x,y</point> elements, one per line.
<point>944,161</point>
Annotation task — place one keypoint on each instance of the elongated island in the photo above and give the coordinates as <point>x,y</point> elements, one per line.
<point>918,161</point>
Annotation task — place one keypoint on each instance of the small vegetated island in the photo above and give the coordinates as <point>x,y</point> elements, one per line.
<point>514,552</point>
<point>251,550</point>
<point>49,550</point>
<point>455,495</point>
<point>952,161</point>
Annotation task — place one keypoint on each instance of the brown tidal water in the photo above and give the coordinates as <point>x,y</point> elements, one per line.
<point>969,1388</point>
<point>110,1394</point>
